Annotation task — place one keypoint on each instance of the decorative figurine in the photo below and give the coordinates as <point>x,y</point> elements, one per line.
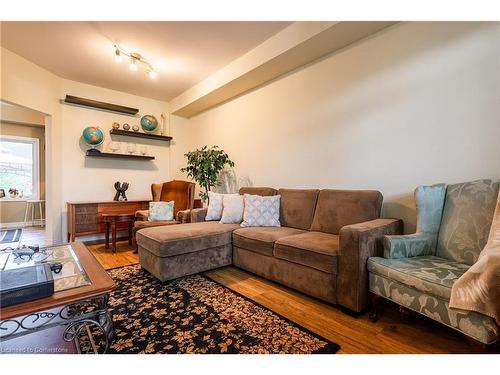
<point>120,191</point>
<point>135,128</point>
<point>126,127</point>
<point>115,125</point>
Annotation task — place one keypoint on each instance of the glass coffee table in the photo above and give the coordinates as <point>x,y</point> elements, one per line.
<point>79,302</point>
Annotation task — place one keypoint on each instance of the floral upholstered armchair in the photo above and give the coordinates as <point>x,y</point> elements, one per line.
<point>418,270</point>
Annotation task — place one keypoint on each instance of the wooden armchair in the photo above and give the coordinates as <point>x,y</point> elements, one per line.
<point>181,192</point>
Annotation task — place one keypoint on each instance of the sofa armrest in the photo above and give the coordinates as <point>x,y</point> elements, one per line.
<point>410,245</point>
<point>198,214</point>
<point>358,242</point>
<point>183,216</point>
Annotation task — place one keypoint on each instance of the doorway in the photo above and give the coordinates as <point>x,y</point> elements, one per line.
<point>22,176</point>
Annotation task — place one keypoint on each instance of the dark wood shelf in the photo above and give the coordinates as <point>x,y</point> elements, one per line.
<point>111,155</point>
<point>100,105</point>
<point>129,133</point>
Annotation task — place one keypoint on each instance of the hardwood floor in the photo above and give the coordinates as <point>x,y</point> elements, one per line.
<point>391,334</point>
<point>124,255</point>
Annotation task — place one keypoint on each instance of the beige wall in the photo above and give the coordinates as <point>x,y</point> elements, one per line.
<point>13,212</point>
<point>416,104</point>
<point>69,175</point>
<point>14,113</point>
<point>89,179</point>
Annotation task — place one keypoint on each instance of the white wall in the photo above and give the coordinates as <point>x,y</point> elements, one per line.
<point>415,104</point>
<point>70,176</point>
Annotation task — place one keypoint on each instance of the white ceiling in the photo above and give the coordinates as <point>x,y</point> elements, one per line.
<point>183,53</point>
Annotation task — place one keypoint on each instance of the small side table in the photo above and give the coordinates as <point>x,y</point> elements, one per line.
<point>111,219</point>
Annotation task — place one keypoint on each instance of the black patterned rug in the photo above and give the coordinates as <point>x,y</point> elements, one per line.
<point>194,314</point>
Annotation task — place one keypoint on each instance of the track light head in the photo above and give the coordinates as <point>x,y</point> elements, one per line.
<point>152,74</point>
<point>118,56</point>
<point>133,65</point>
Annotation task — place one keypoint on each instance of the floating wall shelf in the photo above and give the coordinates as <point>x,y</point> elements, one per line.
<point>111,155</point>
<point>129,133</point>
<point>70,99</point>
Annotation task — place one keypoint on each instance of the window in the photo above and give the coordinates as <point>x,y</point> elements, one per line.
<point>19,165</point>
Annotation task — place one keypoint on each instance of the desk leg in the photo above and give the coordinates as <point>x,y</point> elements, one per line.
<point>106,233</point>
<point>113,234</point>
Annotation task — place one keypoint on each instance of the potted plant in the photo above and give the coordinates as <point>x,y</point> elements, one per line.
<point>204,167</point>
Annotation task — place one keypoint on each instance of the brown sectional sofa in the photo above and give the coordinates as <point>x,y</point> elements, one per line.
<point>321,248</point>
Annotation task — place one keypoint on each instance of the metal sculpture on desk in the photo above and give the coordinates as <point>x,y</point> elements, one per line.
<point>120,191</point>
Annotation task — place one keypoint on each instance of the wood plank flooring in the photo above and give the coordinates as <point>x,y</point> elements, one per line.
<point>124,255</point>
<point>391,334</point>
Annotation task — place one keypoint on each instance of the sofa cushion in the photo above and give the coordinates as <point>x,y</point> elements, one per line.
<point>467,216</point>
<point>173,240</point>
<point>338,208</point>
<point>255,190</point>
<point>428,274</point>
<point>297,207</point>
<point>261,239</point>
<point>313,249</point>
<point>151,224</point>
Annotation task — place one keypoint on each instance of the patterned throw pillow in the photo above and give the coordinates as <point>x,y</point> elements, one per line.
<point>232,209</point>
<point>161,211</point>
<point>214,211</point>
<point>261,211</point>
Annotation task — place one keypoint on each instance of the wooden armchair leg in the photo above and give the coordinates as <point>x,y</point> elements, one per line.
<point>134,243</point>
<point>373,315</point>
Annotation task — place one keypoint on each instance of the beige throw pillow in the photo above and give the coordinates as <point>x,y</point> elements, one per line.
<point>232,209</point>
<point>214,210</point>
<point>261,211</point>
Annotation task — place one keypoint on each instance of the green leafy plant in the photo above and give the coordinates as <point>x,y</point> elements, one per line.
<point>204,167</point>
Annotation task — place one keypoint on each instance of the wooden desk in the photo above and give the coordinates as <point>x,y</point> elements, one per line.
<point>85,218</point>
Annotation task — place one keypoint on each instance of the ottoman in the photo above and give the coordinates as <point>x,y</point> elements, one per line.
<point>172,251</point>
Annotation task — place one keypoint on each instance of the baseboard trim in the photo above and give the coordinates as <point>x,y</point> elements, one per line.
<point>21,224</point>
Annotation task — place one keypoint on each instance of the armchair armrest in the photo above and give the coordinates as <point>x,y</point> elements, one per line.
<point>198,215</point>
<point>183,216</point>
<point>142,215</point>
<point>410,245</point>
<point>358,242</point>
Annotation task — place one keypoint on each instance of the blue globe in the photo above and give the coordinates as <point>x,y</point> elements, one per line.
<point>93,136</point>
<point>149,123</point>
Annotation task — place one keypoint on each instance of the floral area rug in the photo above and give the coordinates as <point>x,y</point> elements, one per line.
<point>194,314</point>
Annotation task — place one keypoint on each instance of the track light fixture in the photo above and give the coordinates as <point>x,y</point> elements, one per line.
<point>135,59</point>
